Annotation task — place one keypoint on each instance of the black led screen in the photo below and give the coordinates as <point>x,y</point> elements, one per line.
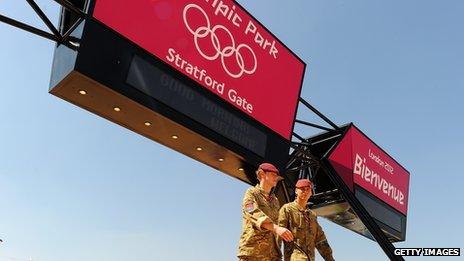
<point>159,85</point>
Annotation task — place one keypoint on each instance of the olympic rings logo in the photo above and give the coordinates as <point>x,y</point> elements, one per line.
<point>221,51</point>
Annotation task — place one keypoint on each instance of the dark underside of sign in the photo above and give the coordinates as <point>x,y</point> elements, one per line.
<point>113,78</point>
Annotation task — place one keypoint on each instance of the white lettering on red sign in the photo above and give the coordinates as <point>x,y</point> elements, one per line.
<point>381,162</point>
<point>229,12</point>
<point>224,48</point>
<point>202,76</point>
<point>376,180</point>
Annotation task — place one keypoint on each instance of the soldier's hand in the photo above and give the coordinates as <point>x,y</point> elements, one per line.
<point>284,233</point>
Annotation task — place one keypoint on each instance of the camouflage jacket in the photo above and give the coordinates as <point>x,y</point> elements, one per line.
<point>306,231</point>
<point>257,242</point>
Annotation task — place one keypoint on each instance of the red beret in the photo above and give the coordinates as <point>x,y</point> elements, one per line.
<point>303,183</point>
<point>268,167</point>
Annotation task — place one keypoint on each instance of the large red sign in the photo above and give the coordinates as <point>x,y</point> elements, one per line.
<point>360,161</point>
<point>220,46</point>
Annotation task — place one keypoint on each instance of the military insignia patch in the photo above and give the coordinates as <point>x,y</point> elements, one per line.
<point>249,206</point>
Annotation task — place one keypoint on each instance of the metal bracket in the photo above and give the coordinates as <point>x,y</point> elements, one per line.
<point>54,34</point>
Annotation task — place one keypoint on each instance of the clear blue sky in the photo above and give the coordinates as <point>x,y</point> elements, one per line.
<point>74,186</point>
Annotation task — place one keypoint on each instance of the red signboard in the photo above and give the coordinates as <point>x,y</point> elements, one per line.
<point>220,46</point>
<point>360,161</point>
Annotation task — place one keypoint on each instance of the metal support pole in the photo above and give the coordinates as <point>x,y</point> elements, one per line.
<point>298,137</point>
<point>71,29</point>
<point>66,4</point>
<point>28,28</point>
<point>313,125</point>
<point>318,113</point>
<point>362,213</point>
<point>44,18</point>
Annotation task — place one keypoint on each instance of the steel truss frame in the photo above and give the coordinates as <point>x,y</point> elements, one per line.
<point>54,34</point>
<point>302,153</point>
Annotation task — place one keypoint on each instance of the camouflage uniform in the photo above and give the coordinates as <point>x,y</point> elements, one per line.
<point>257,243</point>
<point>306,231</point>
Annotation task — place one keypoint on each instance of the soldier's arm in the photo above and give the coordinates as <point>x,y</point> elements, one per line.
<point>283,217</point>
<point>283,221</point>
<point>259,219</point>
<point>280,231</point>
<point>322,245</point>
<point>252,212</point>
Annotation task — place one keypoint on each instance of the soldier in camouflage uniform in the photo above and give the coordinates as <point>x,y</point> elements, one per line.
<point>302,222</point>
<point>260,208</point>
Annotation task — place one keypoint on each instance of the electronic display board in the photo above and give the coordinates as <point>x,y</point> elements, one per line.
<point>154,82</point>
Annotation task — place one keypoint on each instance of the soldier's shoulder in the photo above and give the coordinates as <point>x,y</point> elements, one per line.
<point>287,205</point>
<point>251,191</point>
<point>275,199</point>
<point>312,213</point>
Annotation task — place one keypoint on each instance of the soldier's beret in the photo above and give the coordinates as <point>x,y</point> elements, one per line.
<point>268,167</point>
<point>303,183</point>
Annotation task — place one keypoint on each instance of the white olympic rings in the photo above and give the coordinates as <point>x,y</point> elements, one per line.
<point>223,52</point>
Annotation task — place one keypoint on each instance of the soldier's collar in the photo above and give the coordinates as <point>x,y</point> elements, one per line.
<point>268,196</point>
<point>262,190</point>
<point>306,209</point>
